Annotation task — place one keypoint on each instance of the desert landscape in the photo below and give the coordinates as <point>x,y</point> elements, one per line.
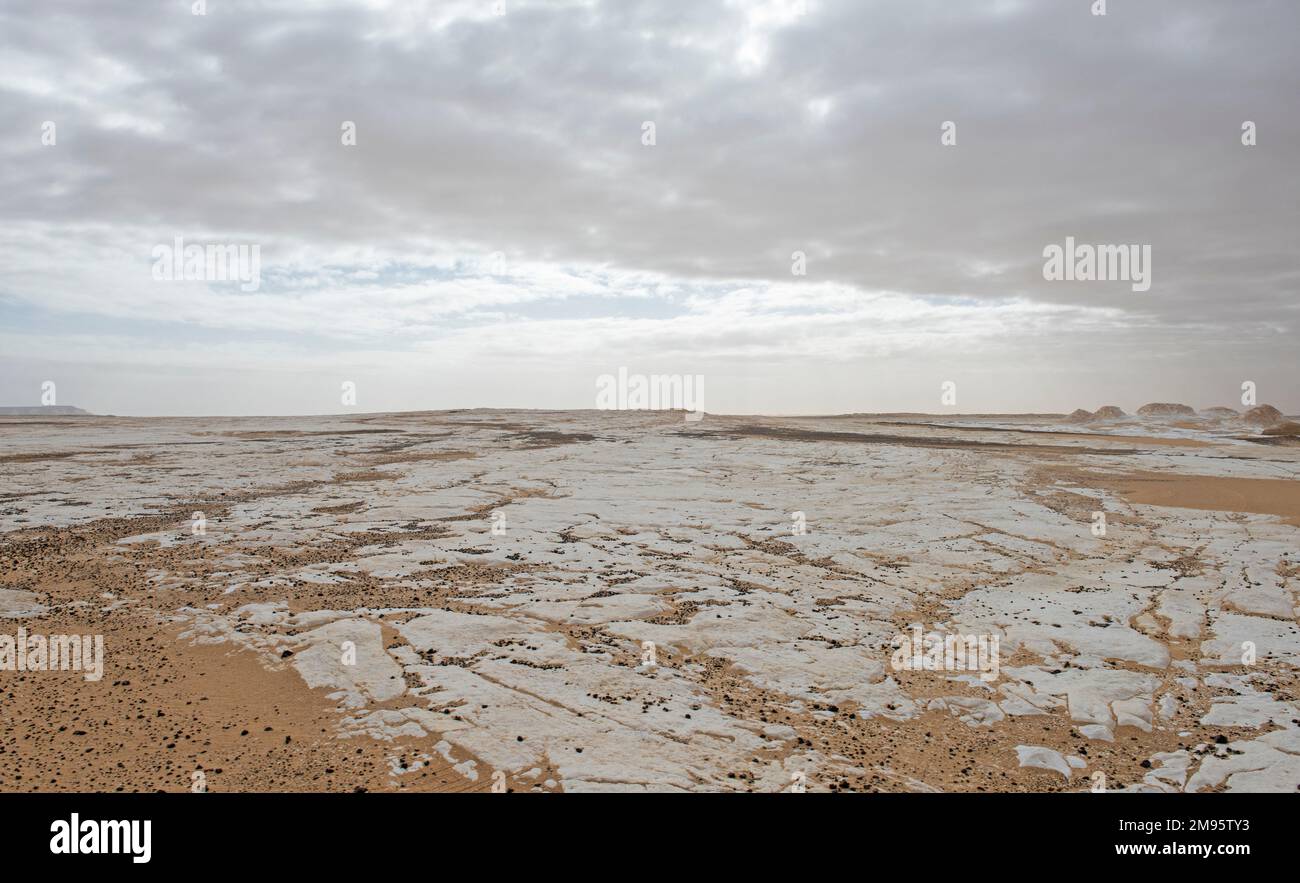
<point>547,601</point>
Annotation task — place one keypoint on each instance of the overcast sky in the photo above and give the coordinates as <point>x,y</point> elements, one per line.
<point>779,127</point>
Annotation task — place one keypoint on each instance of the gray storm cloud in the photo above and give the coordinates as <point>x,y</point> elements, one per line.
<point>808,127</point>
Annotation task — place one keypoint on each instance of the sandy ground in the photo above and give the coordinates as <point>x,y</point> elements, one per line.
<point>584,601</point>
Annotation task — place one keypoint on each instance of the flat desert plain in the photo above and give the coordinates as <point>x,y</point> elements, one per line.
<point>590,601</point>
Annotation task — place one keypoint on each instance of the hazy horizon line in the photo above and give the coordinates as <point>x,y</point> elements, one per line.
<point>357,414</point>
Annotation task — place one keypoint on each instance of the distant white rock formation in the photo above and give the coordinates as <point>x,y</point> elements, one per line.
<point>1166,409</point>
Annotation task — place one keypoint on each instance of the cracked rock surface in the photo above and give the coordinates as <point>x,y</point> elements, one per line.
<point>589,601</point>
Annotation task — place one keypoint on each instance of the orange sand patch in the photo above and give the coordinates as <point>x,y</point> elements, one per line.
<point>1263,496</point>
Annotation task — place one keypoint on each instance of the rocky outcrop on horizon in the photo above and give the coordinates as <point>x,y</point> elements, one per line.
<point>1262,415</point>
<point>1166,409</point>
<point>42,411</point>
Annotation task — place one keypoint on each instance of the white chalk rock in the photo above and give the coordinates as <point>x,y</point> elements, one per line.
<point>1043,758</point>
<point>1133,712</point>
<point>1097,731</point>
